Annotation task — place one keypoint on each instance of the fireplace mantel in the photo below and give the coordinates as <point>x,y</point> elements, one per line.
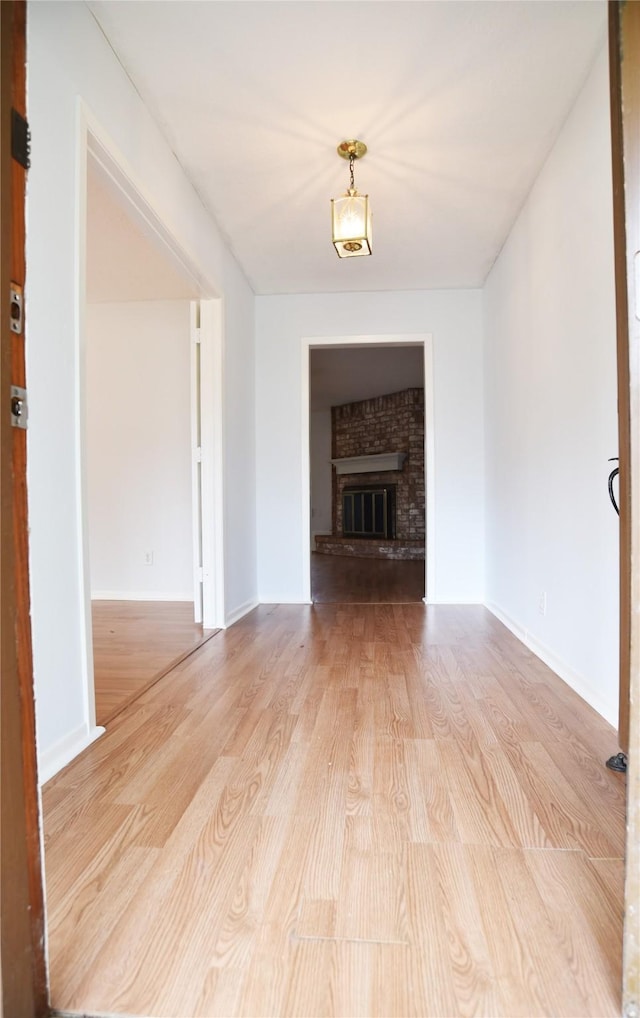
<point>368,464</point>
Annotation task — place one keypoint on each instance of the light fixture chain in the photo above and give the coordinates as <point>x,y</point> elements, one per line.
<point>351,158</point>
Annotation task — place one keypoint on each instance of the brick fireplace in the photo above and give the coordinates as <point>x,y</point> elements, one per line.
<point>378,475</point>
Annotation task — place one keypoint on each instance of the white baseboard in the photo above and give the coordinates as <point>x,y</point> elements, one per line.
<point>575,681</point>
<point>139,595</point>
<point>283,600</point>
<point>453,601</point>
<point>240,612</point>
<point>63,752</point>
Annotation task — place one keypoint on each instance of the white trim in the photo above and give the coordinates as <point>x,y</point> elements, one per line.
<point>196,458</point>
<point>82,496</point>
<point>240,612</point>
<point>408,339</point>
<point>430,471</point>
<point>140,595</point>
<point>469,602</point>
<point>305,432</point>
<point>575,681</point>
<point>212,462</point>
<point>64,751</point>
<point>369,464</point>
<point>284,600</point>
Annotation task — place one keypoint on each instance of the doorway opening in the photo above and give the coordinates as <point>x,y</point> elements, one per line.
<point>368,413</point>
<point>146,602</point>
<point>150,342</point>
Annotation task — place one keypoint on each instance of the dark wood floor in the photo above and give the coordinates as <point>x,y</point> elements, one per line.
<point>342,579</point>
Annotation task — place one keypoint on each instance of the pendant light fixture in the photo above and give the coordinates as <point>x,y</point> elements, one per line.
<point>351,214</point>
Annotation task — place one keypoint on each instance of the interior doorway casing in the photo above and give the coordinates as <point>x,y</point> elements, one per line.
<point>425,340</point>
<point>93,143</point>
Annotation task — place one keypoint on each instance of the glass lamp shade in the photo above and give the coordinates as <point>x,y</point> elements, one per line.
<point>351,225</point>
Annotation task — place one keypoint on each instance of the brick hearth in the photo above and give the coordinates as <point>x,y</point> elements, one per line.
<point>362,547</point>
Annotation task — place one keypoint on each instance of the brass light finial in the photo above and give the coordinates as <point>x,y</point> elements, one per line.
<point>354,148</point>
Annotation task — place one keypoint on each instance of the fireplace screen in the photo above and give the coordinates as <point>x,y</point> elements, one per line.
<point>369,511</point>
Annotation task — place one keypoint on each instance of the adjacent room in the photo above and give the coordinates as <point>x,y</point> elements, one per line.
<point>140,443</point>
<point>367,417</point>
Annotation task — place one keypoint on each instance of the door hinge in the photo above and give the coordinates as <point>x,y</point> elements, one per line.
<point>200,575</point>
<point>196,334</point>
<point>19,407</point>
<point>16,308</point>
<point>199,454</point>
<point>20,139</point>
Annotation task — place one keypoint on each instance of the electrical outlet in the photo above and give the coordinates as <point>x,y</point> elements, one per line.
<point>148,558</point>
<point>542,603</point>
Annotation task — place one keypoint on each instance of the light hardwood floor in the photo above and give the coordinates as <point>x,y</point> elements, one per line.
<point>342,810</point>
<point>342,579</point>
<point>134,644</point>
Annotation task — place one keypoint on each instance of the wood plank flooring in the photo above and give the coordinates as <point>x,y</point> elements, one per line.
<point>134,644</point>
<point>342,810</point>
<point>343,579</point>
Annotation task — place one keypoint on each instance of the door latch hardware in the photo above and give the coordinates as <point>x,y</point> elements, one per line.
<point>19,407</point>
<point>20,139</point>
<point>16,309</point>
<point>612,476</point>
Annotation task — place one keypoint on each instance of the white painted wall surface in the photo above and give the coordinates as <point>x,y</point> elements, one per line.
<point>240,463</point>
<point>550,401</point>
<point>455,320</point>
<point>321,480</point>
<point>139,450</point>
<point>69,59</point>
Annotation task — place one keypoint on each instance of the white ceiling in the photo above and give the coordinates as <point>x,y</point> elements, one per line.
<point>459,103</point>
<point>125,263</point>
<point>348,374</point>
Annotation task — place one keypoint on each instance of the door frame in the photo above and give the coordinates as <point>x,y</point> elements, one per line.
<point>94,143</point>
<point>425,340</point>
<point>206,369</point>
<point>196,459</point>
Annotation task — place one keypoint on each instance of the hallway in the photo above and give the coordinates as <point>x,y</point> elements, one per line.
<point>342,810</point>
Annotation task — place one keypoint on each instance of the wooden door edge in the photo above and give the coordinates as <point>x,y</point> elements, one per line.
<point>624,40</point>
<point>22,933</point>
<point>622,349</point>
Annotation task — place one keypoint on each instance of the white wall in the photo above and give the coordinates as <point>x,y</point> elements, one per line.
<point>240,463</point>
<point>69,58</point>
<point>138,411</point>
<point>551,424</point>
<point>321,480</point>
<point>455,320</point>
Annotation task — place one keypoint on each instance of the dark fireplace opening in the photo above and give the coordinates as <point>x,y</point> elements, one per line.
<point>369,510</point>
